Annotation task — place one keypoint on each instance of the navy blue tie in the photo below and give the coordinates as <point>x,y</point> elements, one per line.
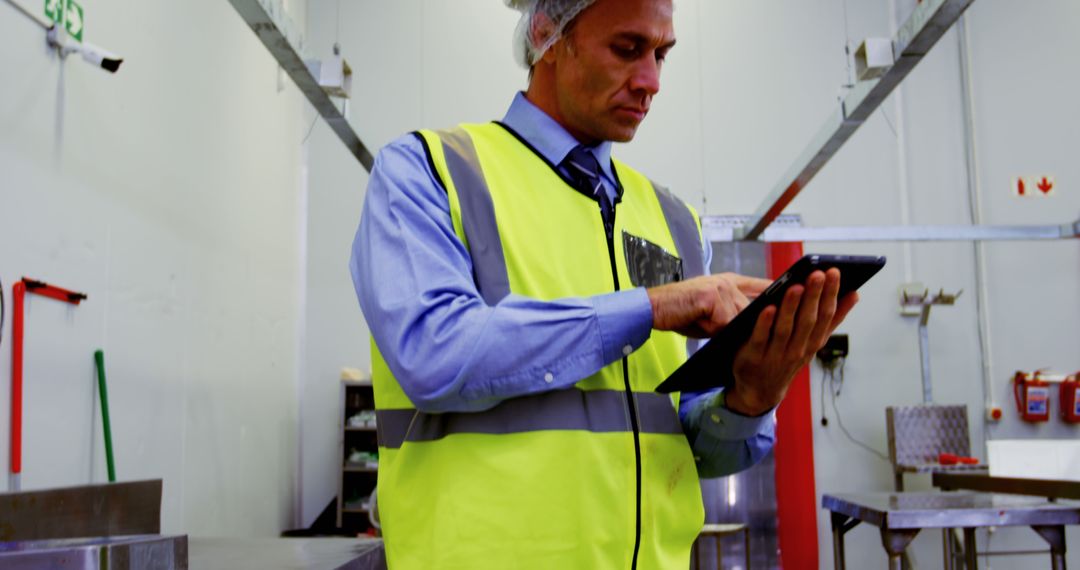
<point>584,171</point>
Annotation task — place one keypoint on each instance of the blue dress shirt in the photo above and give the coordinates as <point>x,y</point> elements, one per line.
<point>451,352</point>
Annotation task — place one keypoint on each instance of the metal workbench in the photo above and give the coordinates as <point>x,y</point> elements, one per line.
<point>156,552</point>
<point>900,517</point>
<point>149,552</point>
<point>287,554</point>
<point>117,526</point>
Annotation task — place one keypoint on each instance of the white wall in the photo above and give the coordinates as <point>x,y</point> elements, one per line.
<point>747,86</point>
<point>411,71</point>
<point>168,193</point>
<point>1029,284</point>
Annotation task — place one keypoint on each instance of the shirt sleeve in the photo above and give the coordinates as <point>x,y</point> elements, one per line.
<point>447,349</point>
<point>723,442</point>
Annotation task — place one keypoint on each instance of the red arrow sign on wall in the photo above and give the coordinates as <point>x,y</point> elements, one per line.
<point>1045,185</point>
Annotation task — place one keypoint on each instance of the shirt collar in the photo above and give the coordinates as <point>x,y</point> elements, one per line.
<point>549,137</point>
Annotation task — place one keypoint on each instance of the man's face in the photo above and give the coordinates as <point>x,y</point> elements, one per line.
<point>607,68</point>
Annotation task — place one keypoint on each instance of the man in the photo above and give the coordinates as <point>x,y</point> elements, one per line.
<point>516,349</point>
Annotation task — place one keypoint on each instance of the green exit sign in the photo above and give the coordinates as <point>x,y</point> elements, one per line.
<point>54,10</point>
<point>66,12</point>
<point>74,20</point>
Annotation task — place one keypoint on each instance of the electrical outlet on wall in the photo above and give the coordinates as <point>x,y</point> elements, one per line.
<point>835,348</point>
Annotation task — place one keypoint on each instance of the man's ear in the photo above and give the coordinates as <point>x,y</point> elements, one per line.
<point>540,30</point>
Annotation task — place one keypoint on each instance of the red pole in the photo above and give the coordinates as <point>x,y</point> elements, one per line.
<point>19,292</point>
<point>796,495</point>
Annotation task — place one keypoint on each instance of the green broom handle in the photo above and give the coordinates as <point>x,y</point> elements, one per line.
<point>99,358</point>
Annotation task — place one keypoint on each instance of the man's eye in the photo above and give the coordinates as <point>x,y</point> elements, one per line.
<point>625,52</point>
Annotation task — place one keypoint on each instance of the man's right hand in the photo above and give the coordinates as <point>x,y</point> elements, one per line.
<point>702,306</point>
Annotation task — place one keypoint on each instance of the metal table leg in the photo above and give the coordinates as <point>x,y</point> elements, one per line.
<point>1055,536</point>
<point>971,560</point>
<point>746,549</point>
<point>895,541</point>
<point>946,547</point>
<point>840,525</point>
<point>907,561</point>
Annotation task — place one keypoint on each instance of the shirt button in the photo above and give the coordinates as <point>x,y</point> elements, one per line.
<point>715,418</point>
<point>626,350</point>
<point>549,378</point>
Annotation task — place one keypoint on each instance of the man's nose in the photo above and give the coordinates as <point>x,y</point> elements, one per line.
<point>646,76</point>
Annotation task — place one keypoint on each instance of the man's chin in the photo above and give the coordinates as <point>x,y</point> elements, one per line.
<point>614,131</point>
<point>623,133</point>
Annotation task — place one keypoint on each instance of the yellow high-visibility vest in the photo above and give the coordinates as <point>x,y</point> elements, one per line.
<point>594,477</point>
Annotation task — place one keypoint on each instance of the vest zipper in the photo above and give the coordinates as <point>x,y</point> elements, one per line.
<point>609,229</point>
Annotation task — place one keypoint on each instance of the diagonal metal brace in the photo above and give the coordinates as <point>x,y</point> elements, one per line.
<point>254,13</point>
<point>922,30</point>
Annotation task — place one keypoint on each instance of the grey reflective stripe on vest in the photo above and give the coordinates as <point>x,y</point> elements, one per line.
<point>477,215</point>
<point>598,411</point>
<point>684,231</point>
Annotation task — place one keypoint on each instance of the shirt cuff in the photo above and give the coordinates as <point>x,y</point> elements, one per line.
<point>726,425</point>
<point>625,320</point>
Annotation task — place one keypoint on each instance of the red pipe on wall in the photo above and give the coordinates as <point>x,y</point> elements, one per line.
<point>796,494</point>
<point>19,291</point>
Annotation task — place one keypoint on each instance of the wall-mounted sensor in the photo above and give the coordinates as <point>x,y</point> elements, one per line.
<point>100,57</point>
<point>873,58</point>
<point>95,55</point>
<point>333,74</point>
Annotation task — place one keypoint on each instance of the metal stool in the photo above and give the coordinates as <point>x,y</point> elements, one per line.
<point>718,532</point>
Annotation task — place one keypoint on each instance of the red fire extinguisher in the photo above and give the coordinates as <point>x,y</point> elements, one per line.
<point>1070,399</point>
<point>1032,397</point>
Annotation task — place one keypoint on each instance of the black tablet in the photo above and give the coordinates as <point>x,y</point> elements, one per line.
<point>710,367</point>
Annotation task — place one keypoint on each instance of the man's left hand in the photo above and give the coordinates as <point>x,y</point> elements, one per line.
<point>784,340</point>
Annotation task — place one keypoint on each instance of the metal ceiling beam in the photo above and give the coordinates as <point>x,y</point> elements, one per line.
<point>788,229</point>
<point>259,20</point>
<point>929,22</point>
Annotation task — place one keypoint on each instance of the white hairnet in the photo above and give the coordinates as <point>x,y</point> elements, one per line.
<point>529,47</point>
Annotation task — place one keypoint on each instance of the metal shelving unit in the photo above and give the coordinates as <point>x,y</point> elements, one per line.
<point>356,480</point>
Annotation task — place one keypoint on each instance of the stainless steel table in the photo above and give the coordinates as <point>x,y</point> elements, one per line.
<point>900,517</point>
<point>286,554</point>
<point>46,529</point>
<point>156,552</point>
<point>133,552</point>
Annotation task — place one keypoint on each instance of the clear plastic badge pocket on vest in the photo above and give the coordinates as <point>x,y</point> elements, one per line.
<point>649,264</point>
